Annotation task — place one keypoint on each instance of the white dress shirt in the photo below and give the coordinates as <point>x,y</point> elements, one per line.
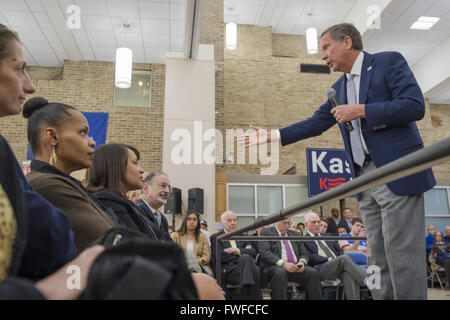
<point>284,253</point>
<point>320,252</point>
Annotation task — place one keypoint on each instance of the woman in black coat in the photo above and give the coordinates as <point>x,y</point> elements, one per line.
<point>114,172</point>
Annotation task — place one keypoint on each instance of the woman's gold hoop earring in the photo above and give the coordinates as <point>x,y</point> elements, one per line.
<point>53,156</point>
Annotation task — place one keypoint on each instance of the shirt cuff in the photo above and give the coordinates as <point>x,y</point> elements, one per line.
<point>280,262</point>
<point>275,136</point>
<point>304,262</point>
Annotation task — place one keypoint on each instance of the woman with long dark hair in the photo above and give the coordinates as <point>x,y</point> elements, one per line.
<point>114,172</point>
<point>194,243</point>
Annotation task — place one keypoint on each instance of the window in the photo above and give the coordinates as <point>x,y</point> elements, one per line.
<point>250,201</point>
<point>270,199</point>
<point>139,94</point>
<point>241,199</point>
<point>437,208</point>
<point>436,202</point>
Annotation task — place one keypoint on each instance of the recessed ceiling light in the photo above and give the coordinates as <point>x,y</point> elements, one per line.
<point>424,23</point>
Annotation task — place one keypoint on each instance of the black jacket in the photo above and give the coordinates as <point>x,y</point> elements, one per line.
<point>271,250</point>
<point>313,250</point>
<point>43,239</point>
<point>127,213</point>
<point>161,231</point>
<point>226,257</point>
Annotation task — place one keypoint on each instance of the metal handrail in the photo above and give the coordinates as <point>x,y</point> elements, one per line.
<point>405,166</point>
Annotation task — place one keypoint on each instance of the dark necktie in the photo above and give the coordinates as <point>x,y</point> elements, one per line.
<point>325,248</point>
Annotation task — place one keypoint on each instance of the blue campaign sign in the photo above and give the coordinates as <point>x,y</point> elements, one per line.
<point>327,168</point>
<point>98,123</point>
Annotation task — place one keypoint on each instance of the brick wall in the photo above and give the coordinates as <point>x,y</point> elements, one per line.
<point>89,87</point>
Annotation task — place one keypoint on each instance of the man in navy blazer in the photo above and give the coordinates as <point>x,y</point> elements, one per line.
<point>380,96</point>
<point>156,190</point>
<point>329,259</point>
<point>238,265</point>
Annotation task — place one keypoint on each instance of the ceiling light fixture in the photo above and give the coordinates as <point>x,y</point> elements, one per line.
<point>231,36</point>
<point>311,40</point>
<point>424,23</point>
<point>124,65</point>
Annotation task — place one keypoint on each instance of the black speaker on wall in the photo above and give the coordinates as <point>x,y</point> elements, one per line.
<point>173,204</point>
<point>195,200</point>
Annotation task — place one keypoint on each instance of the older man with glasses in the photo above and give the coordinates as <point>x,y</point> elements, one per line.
<point>328,258</point>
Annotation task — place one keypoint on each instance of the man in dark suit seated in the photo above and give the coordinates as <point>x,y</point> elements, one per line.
<point>285,261</point>
<point>238,266</point>
<point>156,190</point>
<point>328,258</point>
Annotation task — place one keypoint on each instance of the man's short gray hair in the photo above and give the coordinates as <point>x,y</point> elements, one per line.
<point>310,215</point>
<point>339,31</point>
<point>224,214</point>
<point>148,179</point>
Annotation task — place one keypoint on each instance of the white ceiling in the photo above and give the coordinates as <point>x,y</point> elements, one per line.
<point>295,16</point>
<point>157,26</point>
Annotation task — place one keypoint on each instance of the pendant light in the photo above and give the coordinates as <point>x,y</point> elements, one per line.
<point>124,65</point>
<point>311,40</point>
<point>231,36</point>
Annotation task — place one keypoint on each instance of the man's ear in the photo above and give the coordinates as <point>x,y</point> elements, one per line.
<point>51,135</point>
<point>348,42</point>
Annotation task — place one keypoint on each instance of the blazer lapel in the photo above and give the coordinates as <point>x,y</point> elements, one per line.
<point>366,76</point>
<point>341,90</point>
<point>312,245</point>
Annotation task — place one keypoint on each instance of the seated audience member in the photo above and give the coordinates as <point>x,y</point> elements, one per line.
<point>156,190</point>
<point>323,225</point>
<point>447,234</point>
<point>16,232</point>
<point>429,240</point>
<point>36,242</point>
<point>347,222</point>
<point>333,222</point>
<point>238,266</point>
<point>301,228</point>
<point>357,231</point>
<point>342,231</point>
<point>35,237</point>
<point>285,261</point>
<point>194,243</point>
<point>440,255</point>
<point>356,249</point>
<point>114,172</point>
<point>328,258</point>
<point>59,138</point>
<point>257,232</point>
